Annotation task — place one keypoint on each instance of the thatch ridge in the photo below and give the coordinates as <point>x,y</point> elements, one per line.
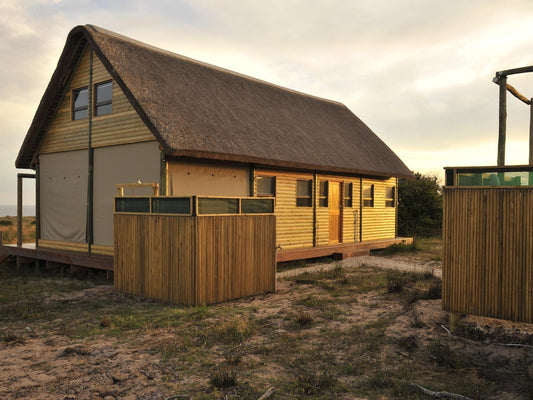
<point>198,110</point>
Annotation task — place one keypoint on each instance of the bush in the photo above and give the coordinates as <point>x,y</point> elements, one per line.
<point>420,207</point>
<point>6,222</point>
<point>223,378</point>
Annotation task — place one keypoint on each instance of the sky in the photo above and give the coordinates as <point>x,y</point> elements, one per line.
<point>417,72</point>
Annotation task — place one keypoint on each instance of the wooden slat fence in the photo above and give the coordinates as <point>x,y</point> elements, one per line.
<point>488,252</point>
<point>193,260</point>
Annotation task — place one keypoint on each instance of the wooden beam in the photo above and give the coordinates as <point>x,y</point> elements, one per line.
<point>513,71</point>
<point>19,209</point>
<point>502,121</point>
<point>518,95</point>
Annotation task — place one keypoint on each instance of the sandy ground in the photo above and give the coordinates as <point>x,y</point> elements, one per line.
<point>434,267</point>
<point>48,366</point>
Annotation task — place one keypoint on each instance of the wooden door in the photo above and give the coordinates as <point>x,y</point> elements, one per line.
<point>334,212</point>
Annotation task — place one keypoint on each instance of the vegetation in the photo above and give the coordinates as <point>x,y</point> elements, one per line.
<point>8,229</point>
<point>340,333</point>
<point>420,207</point>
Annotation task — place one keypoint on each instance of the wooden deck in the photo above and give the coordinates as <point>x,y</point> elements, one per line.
<point>30,251</point>
<point>340,251</point>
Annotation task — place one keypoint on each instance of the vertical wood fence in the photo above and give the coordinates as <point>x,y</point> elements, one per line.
<point>193,260</point>
<point>488,252</point>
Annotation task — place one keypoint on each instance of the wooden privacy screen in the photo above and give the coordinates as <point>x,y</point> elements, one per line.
<point>488,252</point>
<point>193,260</point>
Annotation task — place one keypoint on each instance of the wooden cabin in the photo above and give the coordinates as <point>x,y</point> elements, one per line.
<point>117,111</point>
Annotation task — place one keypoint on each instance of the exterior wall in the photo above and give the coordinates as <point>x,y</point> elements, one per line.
<point>122,126</point>
<point>379,222</point>
<point>124,149</point>
<point>63,200</point>
<point>488,252</point>
<point>350,215</point>
<point>120,164</point>
<point>296,227</point>
<point>190,178</point>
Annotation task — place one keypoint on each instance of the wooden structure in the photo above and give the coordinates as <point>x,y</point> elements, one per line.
<point>110,116</point>
<point>488,229</point>
<point>488,242</point>
<point>213,250</point>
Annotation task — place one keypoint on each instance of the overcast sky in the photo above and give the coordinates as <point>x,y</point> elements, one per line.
<point>418,72</point>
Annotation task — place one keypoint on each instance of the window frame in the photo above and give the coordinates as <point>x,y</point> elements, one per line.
<point>347,188</point>
<point>390,201</point>
<point>323,199</point>
<point>304,200</point>
<point>368,201</point>
<point>75,109</point>
<point>257,178</point>
<point>98,104</point>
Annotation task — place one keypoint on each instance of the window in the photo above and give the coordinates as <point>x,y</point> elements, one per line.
<point>266,186</point>
<point>303,193</point>
<point>368,196</point>
<point>390,196</point>
<point>80,103</point>
<point>103,96</point>
<point>323,194</point>
<point>347,194</point>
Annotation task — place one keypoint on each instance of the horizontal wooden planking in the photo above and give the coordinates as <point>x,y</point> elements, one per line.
<point>122,126</point>
<point>295,224</point>
<point>59,245</point>
<point>379,221</point>
<point>195,260</point>
<point>488,252</point>
<point>101,249</point>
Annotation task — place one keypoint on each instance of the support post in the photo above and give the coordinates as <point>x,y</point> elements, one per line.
<point>19,210</point>
<point>531,133</point>
<point>502,121</point>
<point>37,204</point>
<point>531,141</point>
<point>90,185</point>
<point>163,172</point>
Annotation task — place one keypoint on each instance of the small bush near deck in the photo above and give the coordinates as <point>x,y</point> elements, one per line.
<point>304,318</point>
<point>224,378</point>
<point>6,222</point>
<point>315,382</point>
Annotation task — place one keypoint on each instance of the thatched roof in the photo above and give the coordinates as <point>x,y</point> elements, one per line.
<point>199,110</point>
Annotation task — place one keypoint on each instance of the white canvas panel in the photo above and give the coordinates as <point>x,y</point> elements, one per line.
<point>63,186</point>
<point>190,178</point>
<point>120,164</point>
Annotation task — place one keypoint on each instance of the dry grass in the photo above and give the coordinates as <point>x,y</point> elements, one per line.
<point>8,229</point>
<point>341,333</point>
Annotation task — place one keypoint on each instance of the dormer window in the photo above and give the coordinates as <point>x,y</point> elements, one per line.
<point>103,96</point>
<point>80,103</point>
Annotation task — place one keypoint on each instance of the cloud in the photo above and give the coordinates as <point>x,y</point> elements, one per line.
<point>417,72</point>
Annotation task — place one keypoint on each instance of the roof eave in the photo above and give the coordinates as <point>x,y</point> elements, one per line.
<point>286,164</point>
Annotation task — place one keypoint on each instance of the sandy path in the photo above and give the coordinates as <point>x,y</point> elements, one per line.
<point>434,267</point>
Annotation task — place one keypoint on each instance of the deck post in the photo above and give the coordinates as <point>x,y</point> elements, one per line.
<point>502,120</point>
<point>19,210</point>
<point>531,140</point>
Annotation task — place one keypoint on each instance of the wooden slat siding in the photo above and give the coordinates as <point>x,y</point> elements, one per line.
<point>59,245</point>
<point>122,126</point>
<point>379,222</point>
<point>488,256</point>
<point>194,260</point>
<point>294,225</point>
